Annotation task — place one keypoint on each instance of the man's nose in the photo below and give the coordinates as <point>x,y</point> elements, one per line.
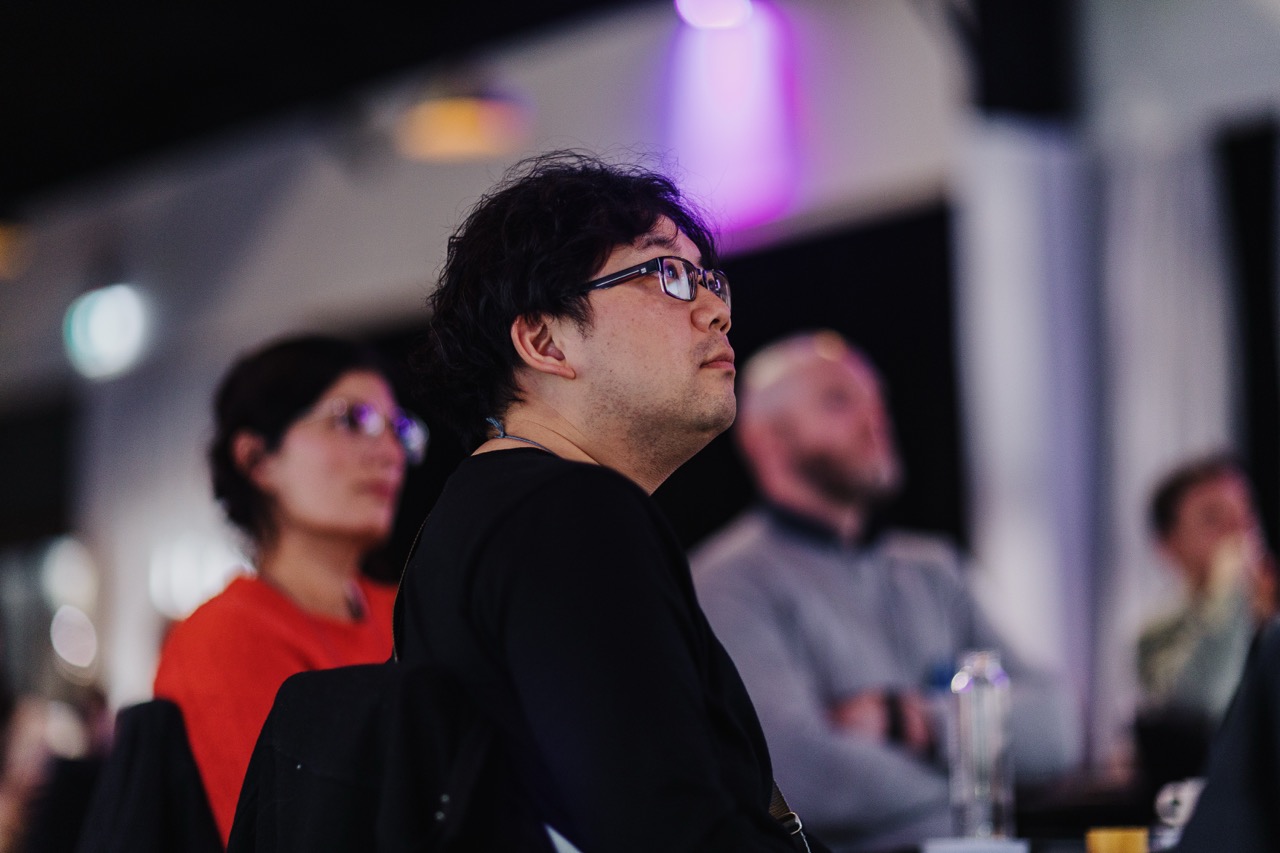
<point>711,310</point>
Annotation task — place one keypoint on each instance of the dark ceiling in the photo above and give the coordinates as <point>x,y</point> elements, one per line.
<point>89,87</point>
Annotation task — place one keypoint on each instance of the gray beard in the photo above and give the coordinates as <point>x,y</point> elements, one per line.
<point>844,487</point>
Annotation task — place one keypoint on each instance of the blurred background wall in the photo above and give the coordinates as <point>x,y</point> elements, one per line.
<point>1052,227</point>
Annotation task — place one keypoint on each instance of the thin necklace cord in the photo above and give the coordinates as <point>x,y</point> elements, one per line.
<point>502,433</point>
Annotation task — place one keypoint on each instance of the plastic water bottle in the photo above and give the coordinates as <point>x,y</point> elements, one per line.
<point>981,763</point>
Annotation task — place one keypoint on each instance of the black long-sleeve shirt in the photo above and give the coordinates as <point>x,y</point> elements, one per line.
<point>558,594</point>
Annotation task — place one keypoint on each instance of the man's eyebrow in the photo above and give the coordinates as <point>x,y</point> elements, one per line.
<point>651,239</point>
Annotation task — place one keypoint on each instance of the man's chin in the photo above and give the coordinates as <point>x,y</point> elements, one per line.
<point>712,424</point>
<point>723,417</point>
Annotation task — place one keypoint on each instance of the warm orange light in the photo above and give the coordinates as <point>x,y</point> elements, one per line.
<point>14,250</point>
<point>461,128</point>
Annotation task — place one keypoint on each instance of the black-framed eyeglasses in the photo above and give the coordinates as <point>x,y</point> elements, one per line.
<point>677,277</point>
<point>363,419</point>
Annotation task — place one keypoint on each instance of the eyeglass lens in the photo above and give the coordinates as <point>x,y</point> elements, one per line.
<point>680,279</point>
<point>677,279</point>
<point>364,419</point>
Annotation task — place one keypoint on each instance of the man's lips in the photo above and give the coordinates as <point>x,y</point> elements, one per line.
<point>722,358</point>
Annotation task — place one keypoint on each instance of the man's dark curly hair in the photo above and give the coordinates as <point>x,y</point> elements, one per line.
<point>525,250</point>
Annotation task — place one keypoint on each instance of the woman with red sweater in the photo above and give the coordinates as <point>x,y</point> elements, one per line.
<point>307,460</point>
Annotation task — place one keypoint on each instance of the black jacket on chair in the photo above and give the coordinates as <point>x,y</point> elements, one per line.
<point>149,797</point>
<point>1239,809</point>
<point>379,757</point>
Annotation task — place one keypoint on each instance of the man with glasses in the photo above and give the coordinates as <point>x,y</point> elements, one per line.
<point>847,639</point>
<point>578,342</point>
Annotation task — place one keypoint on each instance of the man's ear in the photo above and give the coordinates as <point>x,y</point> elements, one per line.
<point>249,453</point>
<point>535,340</point>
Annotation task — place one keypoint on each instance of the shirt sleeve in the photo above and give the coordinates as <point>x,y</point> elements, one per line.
<point>603,647</point>
<point>845,784</point>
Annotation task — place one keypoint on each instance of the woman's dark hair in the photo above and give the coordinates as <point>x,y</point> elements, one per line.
<point>525,250</point>
<point>263,393</point>
<point>1168,494</point>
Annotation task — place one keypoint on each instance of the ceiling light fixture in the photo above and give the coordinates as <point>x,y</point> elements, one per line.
<point>14,250</point>
<point>714,14</point>
<point>462,126</point>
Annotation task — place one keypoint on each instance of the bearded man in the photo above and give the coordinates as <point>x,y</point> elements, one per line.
<point>847,640</point>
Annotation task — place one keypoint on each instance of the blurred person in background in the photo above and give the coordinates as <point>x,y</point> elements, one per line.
<point>1189,660</point>
<point>23,757</point>
<point>308,458</point>
<point>846,636</point>
<point>75,737</point>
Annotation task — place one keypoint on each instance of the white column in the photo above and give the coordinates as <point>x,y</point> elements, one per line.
<point>1026,335</point>
<point>1170,395</point>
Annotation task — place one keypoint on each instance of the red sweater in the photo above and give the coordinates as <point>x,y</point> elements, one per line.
<point>224,663</point>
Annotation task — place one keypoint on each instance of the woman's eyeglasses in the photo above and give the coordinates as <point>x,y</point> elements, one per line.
<point>364,420</point>
<point>676,276</point>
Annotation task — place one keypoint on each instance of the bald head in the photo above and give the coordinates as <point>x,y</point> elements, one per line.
<point>812,419</point>
<point>767,384</point>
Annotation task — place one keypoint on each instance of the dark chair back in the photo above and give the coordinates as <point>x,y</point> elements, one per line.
<point>149,797</point>
<point>378,757</point>
<point>1239,808</point>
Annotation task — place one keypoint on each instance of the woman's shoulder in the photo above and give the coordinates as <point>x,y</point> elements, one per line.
<point>246,604</point>
<point>236,628</point>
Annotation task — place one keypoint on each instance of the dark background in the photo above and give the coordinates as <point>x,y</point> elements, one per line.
<point>93,87</point>
<point>1247,177</point>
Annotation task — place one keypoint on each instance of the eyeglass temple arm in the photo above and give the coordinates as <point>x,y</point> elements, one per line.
<point>622,275</point>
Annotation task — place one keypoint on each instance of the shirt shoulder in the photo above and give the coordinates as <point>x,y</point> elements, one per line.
<point>245,603</point>
<point>923,552</point>
<point>743,565</point>
<point>236,628</point>
<point>512,483</point>
<point>574,499</point>
<point>523,516</point>
<point>744,541</point>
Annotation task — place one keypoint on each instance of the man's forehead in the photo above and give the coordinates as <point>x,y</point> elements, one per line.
<point>781,378</point>
<point>1225,486</point>
<point>845,368</point>
<point>824,362</point>
<point>665,235</point>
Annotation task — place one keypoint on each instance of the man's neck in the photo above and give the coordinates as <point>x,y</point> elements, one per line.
<point>641,461</point>
<point>552,434</point>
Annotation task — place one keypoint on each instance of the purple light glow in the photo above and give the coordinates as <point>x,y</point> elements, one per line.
<point>714,14</point>
<point>733,118</point>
